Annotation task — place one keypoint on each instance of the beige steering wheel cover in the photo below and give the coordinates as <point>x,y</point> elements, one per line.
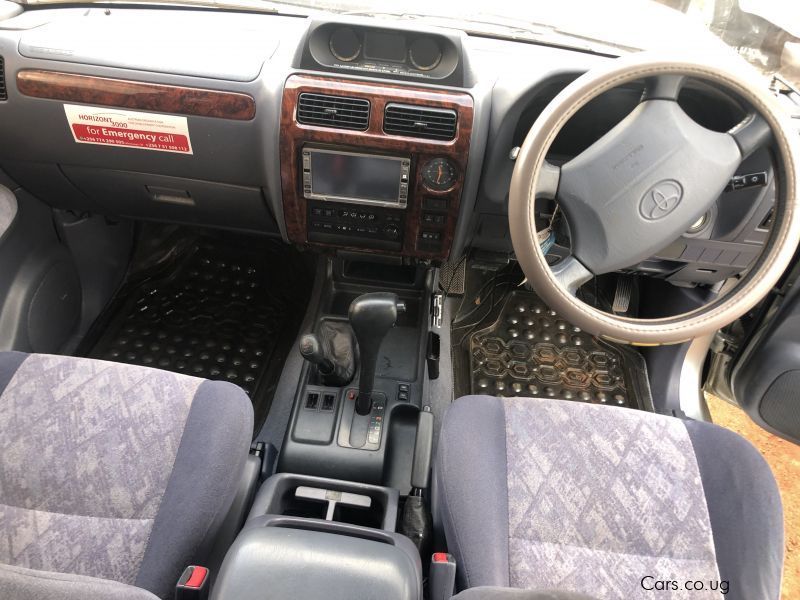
<point>764,274</point>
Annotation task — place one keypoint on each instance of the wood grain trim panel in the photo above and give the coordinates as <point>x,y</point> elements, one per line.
<point>137,95</point>
<point>294,135</point>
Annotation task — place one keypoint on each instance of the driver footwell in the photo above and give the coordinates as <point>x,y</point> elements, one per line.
<point>505,341</point>
<point>530,351</point>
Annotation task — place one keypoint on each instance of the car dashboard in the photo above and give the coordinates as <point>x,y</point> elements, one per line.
<point>345,134</point>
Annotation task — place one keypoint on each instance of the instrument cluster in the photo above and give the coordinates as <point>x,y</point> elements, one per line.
<point>393,53</point>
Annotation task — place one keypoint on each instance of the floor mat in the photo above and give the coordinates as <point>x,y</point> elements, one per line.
<point>530,351</point>
<point>219,311</point>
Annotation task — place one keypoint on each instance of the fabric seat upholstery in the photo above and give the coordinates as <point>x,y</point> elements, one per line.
<point>558,495</point>
<point>111,475</point>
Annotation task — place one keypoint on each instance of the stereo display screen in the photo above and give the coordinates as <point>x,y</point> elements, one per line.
<point>355,176</point>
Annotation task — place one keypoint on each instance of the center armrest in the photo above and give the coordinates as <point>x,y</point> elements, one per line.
<point>284,562</point>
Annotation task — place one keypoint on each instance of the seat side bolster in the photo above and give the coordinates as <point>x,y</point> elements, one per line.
<point>19,583</point>
<point>495,593</point>
<point>9,363</point>
<point>208,468</point>
<point>745,511</point>
<point>471,474</point>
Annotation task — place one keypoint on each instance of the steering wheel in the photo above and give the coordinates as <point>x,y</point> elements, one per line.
<point>643,184</point>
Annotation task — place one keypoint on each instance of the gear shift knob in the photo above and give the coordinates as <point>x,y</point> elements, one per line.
<point>371,317</point>
<point>311,350</point>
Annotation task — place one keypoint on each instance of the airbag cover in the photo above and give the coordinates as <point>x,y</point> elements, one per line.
<point>214,45</point>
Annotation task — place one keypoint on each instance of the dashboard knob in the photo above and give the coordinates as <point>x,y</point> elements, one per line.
<point>392,232</point>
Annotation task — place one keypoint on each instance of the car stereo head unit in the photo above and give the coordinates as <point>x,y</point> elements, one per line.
<point>355,177</point>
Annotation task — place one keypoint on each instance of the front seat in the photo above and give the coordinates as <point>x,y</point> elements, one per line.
<point>605,501</point>
<point>111,475</point>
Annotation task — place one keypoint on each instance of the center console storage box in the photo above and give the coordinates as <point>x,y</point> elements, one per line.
<point>331,562</point>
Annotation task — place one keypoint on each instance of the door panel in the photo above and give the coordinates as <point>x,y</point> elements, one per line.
<point>765,378</point>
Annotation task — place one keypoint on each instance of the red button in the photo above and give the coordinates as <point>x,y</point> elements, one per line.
<point>440,557</point>
<point>197,578</point>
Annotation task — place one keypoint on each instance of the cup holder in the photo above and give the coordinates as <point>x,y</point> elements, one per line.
<point>290,495</point>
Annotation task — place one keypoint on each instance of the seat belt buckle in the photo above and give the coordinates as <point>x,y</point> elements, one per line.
<point>193,584</point>
<point>442,576</point>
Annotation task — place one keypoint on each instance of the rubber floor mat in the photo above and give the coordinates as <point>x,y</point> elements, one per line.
<point>219,312</point>
<point>531,351</point>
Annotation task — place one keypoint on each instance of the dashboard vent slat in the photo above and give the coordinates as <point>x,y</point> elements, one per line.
<point>333,111</point>
<point>420,121</point>
<point>3,91</point>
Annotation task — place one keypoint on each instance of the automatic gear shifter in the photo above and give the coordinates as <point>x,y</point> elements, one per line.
<point>371,317</point>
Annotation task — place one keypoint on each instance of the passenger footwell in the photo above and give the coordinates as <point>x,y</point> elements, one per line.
<point>220,310</point>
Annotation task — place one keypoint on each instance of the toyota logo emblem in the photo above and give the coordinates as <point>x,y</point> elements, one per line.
<point>661,199</point>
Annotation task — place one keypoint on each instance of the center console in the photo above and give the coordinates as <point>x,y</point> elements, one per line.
<point>359,399</point>
<point>345,514</point>
<point>373,167</point>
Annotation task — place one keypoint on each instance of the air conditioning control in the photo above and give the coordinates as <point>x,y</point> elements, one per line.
<point>349,225</point>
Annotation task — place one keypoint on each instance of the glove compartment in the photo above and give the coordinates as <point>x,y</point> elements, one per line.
<point>173,199</point>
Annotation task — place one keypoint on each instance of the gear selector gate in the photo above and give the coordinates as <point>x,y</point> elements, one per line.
<point>360,391</point>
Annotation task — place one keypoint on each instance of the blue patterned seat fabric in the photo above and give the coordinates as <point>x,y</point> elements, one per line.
<point>110,474</point>
<point>605,501</point>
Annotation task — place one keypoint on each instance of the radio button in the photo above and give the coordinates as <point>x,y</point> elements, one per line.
<point>435,203</point>
<point>434,219</point>
<point>392,232</point>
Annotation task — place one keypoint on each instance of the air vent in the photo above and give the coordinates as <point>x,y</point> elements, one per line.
<point>3,92</point>
<point>419,121</point>
<point>333,111</point>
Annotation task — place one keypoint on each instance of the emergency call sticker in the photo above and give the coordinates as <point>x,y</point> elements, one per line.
<point>112,127</point>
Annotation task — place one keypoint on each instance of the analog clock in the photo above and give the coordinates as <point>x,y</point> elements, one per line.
<point>439,174</point>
